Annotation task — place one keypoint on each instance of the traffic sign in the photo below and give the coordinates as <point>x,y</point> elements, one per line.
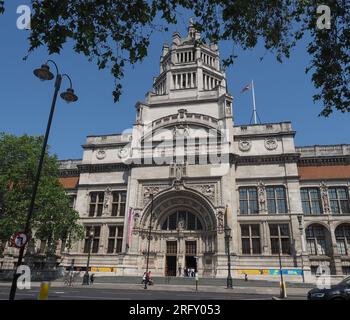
<point>20,239</point>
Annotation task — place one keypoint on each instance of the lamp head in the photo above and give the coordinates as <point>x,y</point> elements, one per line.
<point>43,73</point>
<point>69,95</point>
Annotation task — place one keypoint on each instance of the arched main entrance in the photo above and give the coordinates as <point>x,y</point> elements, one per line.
<point>184,238</point>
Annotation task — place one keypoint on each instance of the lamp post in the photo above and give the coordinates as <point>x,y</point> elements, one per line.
<point>282,288</point>
<point>86,278</point>
<point>227,239</point>
<point>149,241</point>
<point>43,73</point>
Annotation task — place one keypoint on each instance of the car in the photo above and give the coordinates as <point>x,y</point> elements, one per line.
<point>341,291</point>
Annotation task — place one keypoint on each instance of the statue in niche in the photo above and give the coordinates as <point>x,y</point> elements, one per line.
<point>181,225</point>
<point>178,172</point>
<point>107,197</point>
<point>324,197</point>
<point>261,196</point>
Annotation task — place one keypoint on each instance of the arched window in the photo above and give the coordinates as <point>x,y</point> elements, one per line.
<point>342,234</point>
<point>317,240</point>
<point>182,219</point>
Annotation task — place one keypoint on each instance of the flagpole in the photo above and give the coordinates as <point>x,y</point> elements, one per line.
<point>254,105</point>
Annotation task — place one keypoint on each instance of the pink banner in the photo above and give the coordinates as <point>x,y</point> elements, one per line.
<point>129,227</point>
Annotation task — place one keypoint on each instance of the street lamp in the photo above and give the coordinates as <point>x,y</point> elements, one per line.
<point>86,278</point>
<point>149,241</point>
<point>227,239</point>
<point>43,73</point>
<point>282,288</point>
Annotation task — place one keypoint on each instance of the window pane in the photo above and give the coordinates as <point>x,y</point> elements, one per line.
<point>110,248</point>
<point>245,246</point>
<point>280,193</point>
<point>93,196</point>
<point>172,221</point>
<point>114,210</point>
<point>95,244</point>
<point>306,208</point>
<point>255,230</point>
<point>120,231</point>
<point>271,206</point>
<point>345,208</point>
<point>97,231</point>
<point>341,247</point>
<point>284,230</point>
<point>273,229</point>
<point>321,247</point>
<point>86,246</point>
<point>311,247</point>
<point>243,207</point>
<point>245,230</point>
<point>316,207</point>
<point>274,245</point>
<point>243,194</point>
<point>92,210</point>
<point>119,245</point>
<point>112,231</point>
<point>332,193</point>
<point>253,204</point>
<point>343,195</point>
<point>270,194</point>
<point>99,210</point>
<point>256,245</point>
<point>101,196</point>
<point>191,223</point>
<point>285,246</point>
<point>122,210</point>
<point>282,206</point>
<point>334,206</point>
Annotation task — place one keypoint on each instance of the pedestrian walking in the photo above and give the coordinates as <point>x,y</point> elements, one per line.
<point>92,279</point>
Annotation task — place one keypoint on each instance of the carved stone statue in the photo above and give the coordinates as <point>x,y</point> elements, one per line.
<point>178,172</point>
<point>324,197</point>
<point>107,197</point>
<point>220,221</point>
<point>261,196</point>
<point>181,224</point>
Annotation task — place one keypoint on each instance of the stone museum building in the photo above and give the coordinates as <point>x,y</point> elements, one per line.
<point>186,185</point>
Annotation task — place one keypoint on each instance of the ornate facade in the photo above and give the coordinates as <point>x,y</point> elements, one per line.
<point>205,175</point>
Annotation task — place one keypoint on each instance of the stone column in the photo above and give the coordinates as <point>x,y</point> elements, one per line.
<point>305,262</point>
<point>336,259</point>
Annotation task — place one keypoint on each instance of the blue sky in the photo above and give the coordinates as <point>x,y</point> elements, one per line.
<point>283,92</point>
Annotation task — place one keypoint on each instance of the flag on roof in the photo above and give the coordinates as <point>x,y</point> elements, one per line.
<point>246,88</point>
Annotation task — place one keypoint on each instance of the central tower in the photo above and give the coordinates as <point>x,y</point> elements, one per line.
<point>190,77</point>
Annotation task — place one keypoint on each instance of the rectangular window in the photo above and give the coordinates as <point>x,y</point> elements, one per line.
<point>248,200</point>
<point>92,243</point>
<point>250,234</point>
<point>276,199</point>
<point>311,201</point>
<point>280,241</point>
<point>339,200</point>
<point>115,239</point>
<point>72,199</point>
<point>171,247</point>
<point>118,203</point>
<point>191,247</point>
<point>96,204</point>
